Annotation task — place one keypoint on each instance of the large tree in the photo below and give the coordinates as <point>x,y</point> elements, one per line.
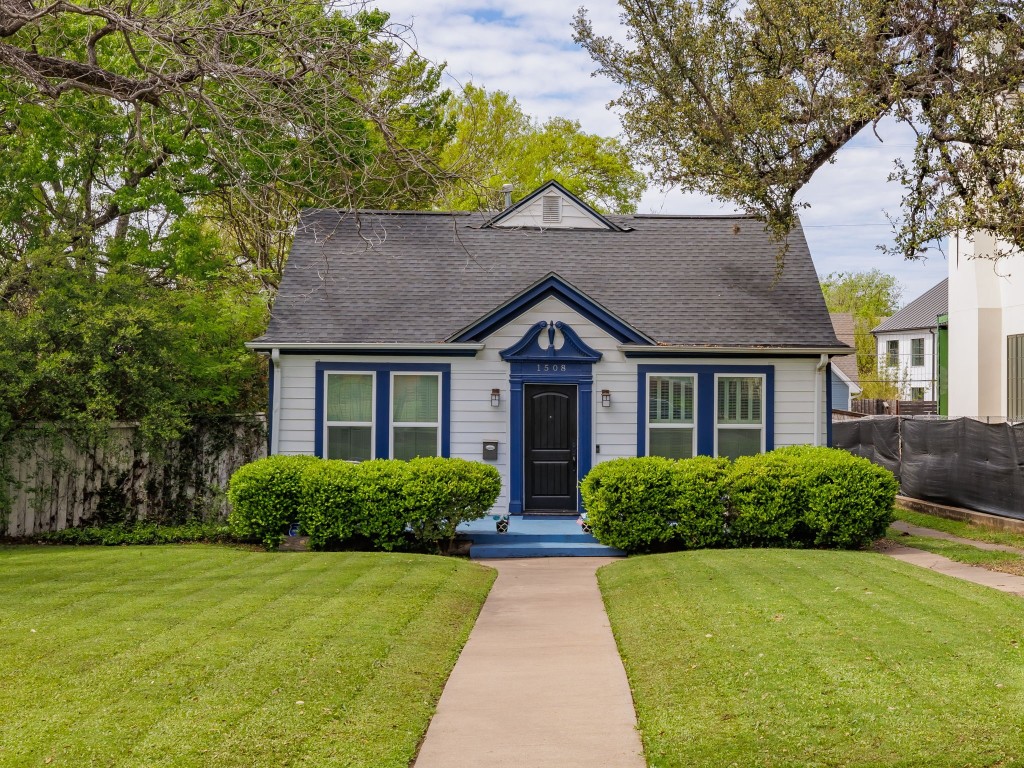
<point>496,143</point>
<point>747,100</point>
<point>870,297</point>
<point>153,154</point>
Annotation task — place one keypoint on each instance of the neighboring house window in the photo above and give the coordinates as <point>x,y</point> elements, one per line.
<point>739,423</point>
<point>917,393</point>
<point>415,415</point>
<point>917,352</point>
<point>892,353</point>
<point>670,417</point>
<point>1015,377</point>
<point>349,416</point>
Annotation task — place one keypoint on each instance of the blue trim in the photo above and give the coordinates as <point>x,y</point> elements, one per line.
<point>584,382</point>
<point>828,404</point>
<point>382,404</point>
<point>553,286</point>
<point>270,406</point>
<point>441,351</point>
<point>705,375</point>
<point>529,350</point>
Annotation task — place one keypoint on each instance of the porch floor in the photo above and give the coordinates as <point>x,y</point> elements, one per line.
<point>533,536</point>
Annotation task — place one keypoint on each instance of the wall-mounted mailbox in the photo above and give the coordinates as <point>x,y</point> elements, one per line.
<point>490,452</point>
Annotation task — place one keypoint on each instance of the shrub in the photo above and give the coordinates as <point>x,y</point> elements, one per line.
<point>849,500</point>
<point>699,509</point>
<point>328,507</point>
<point>265,496</point>
<point>806,496</point>
<point>442,493</point>
<point>767,499</point>
<point>139,533</point>
<point>381,507</point>
<point>630,503</point>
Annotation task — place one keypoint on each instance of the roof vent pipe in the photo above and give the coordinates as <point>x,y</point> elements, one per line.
<point>506,190</point>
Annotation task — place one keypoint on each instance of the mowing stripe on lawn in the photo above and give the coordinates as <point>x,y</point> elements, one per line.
<point>789,658</point>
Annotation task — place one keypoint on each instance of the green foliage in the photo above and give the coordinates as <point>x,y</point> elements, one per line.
<point>804,496</point>
<point>700,501</point>
<point>266,496</point>
<point>384,504</point>
<point>327,509</point>
<point>631,502</point>
<point>496,143</point>
<point>381,506</point>
<point>849,500</point>
<point>140,533</point>
<point>767,501</point>
<point>870,296</point>
<point>747,101</point>
<point>442,493</point>
<point>795,497</point>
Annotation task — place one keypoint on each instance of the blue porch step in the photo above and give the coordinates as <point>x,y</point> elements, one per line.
<point>533,537</point>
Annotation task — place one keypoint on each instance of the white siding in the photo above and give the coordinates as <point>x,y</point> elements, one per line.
<point>474,420</point>
<point>986,305</point>
<point>532,215</point>
<point>907,375</point>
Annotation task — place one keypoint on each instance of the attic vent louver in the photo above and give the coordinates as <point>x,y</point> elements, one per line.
<point>552,209</point>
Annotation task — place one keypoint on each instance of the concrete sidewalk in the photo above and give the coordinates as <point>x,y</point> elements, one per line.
<point>540,682</point>
<point>1005,582</point>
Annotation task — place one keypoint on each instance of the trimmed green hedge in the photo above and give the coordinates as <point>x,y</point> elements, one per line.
<point>651,503</point>
<point>265,496</point>
<point>381,504</point>
<point>795,497</point>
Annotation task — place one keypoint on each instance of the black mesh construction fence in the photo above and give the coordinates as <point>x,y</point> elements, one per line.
<point>959,462</point>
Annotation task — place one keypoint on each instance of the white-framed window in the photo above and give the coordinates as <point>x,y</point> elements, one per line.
<point>415,415</point>
<point>348,416</point>
<point>917,352</point>
<point>892,353</point>
<point>739,415</point>
<point>671,416</point>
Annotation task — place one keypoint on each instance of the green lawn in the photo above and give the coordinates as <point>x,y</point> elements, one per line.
<point>808,658</point>
<point>210,656</point>
<point>960,528</point>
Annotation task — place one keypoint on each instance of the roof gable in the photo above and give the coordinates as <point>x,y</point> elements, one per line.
<point>551,206</point>
<point>551,285</point>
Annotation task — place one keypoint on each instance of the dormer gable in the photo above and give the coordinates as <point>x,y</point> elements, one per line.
<point>551,206</point>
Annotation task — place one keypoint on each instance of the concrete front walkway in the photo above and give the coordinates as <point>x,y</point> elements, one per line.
<point>1004,582</point>
<point>540,682</point>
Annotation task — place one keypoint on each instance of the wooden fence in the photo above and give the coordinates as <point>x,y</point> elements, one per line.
<point>58,483</point>
<point>869,407</point>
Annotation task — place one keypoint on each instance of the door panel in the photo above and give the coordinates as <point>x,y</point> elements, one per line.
<point>550,447</point>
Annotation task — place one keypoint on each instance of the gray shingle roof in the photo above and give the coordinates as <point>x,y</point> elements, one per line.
<point>922,312</point>
<point>843,324</point>
<point>420,277</point>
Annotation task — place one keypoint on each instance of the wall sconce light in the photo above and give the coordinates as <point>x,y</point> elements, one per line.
<point>606,398</point>
<point>495,398</point>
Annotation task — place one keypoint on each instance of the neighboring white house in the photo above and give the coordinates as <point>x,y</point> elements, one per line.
<point>986,331</point>
<point>544,339</point>
<point>906,345</point>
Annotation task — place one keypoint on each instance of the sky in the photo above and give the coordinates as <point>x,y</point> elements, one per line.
<point>525,47</point>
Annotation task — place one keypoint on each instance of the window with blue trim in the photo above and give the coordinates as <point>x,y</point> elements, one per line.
<point>349,416</point>
<point>370,410</point>
<point>671,417</point>
<point>415,415</point>
<point>739,418</point>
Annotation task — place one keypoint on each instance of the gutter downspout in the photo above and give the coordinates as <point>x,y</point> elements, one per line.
<point>275,405</point>
<point>819,377</point>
